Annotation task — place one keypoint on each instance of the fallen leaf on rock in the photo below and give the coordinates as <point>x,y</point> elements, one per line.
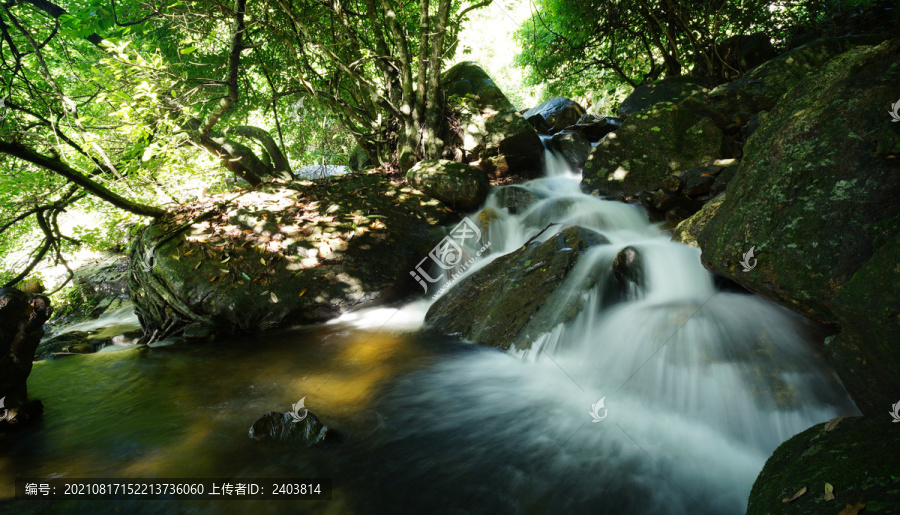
<point>829,492</point>
<point>795,496</point>
<point>831,424</point>
<point>852,510</point>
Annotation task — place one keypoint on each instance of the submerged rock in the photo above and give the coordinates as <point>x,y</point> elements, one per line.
<point>22,318</point>
<point>490,133</point>
<point>279,256</point>
<point>629,271</point>
<point>517,296</point>
<point>282,427</point>
<point>857,457</point>
<point>456,184</point>
<point>816,196</point>
<point>557,112</point>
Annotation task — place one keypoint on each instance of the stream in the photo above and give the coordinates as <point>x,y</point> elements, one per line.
<point>698,387</point>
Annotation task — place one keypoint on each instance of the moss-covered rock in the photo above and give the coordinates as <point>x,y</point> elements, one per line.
<point>858,458</point>
<point>652,145</point>
<point>670,89</point>
<point>505,302</point>
<point>456,184</point>
<point>762,87</point>
<point>485,130</point>
<point>817,196</point>
<point>687,231</point>
<point>242,263</point>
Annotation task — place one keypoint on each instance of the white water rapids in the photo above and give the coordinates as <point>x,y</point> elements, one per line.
<point>699,386</point>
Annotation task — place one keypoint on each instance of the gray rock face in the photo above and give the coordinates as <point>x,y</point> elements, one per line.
<point>557,112</point>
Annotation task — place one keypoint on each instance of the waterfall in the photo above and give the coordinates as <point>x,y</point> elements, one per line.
<point>698,385</point>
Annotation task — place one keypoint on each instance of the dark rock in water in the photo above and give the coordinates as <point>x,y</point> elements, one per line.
<point>671,89</point>
<point>593,128</point>
<point>557,112</point>
<point>490,134</point>
<point>857,457</point>
<point>22,318</point>
<point>650,146</point>
<point>281,427</point>
<point>573,147</point>
<point>761,88</point>
<point>73,342</point>
<point>820,208</point>
<point>28,413</point>
<point>516,297</point>
<point>281,256</point>
<point>515,198</point>
<point>456,184</point>
<point>629,272</point>
<point>735,56</point>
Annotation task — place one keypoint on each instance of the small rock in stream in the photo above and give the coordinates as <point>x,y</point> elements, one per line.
<point>281,427</point>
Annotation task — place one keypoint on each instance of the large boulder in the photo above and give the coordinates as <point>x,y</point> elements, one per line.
<point>456,184</point>
<point>280,256</point>
<point>657,143</point>
<point>482,308</point>
<point>557,113</point>
<point>761,88</point>
<point>670,89</point>
<point>22,318</point>
<point>816,196</point>
<point>857,457</point>
<point>485,130</point>
<point>573,147</point>
<point>688,230</point>
<point>593,128</point>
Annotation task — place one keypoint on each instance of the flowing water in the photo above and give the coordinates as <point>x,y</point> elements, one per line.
<point>698,387</point>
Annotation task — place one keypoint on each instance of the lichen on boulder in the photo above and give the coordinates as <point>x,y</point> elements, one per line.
<point>456,184</point>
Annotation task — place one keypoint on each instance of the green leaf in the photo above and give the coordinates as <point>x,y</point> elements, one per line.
<point>188,50</point>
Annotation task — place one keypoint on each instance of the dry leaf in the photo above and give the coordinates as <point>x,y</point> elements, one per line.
<point>795,496</point>
<point>852,510</point>
<point>226,259</point>
<point>829,492</point>
<point>831,424</point>
<point>273,297</point>
<point>302,292</point>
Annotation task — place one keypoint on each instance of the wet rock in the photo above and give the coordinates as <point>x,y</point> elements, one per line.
<point>282,428</point>
<point>629,272</point>
<point>593,128</point>
<point>98,287</point>
<point>698,181</point>
<point>74,342</point>
<point>518,296</point>
<point>819,206</point>
<point>281,256</point>
<point>539,123</point>
<point>458,185</point>
<point>557,112</point>
<point>857,457</point>
<point>671,89</point>
<point>573,147</point>
<point>659,142</point>
<point>22,318</point>
<point>490,134</point>
<point>516,198</point>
